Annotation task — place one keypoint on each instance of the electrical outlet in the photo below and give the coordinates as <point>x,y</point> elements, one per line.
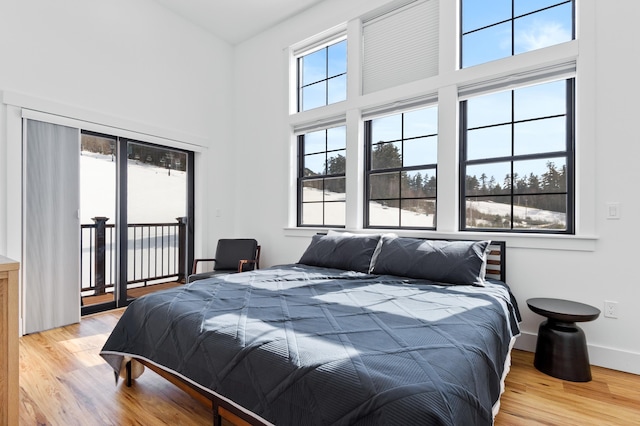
<point>610,309</point>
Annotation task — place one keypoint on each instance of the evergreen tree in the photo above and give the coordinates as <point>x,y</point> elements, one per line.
<point>337,165</point>
<point>385,156</point>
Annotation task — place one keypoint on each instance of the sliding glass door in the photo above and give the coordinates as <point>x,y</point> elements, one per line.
<point>137,219</point>
<point>105,219</point>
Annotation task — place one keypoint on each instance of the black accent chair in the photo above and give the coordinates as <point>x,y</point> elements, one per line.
<point>232,256</point>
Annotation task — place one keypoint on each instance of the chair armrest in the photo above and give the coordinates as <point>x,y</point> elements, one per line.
<point>243,262</point>
<point>195,263</point>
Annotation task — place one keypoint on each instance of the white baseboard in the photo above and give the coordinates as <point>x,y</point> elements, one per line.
<point>601,356</point>
<point>526,342</point>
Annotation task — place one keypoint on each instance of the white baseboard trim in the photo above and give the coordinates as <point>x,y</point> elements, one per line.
<point>526,342</point>
<point>601,356</point>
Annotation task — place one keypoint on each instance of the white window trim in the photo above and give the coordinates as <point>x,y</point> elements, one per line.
<point>302,129</point>
<point>305,47</point>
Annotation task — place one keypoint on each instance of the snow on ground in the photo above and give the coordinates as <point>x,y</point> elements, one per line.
<point>519,212</point>
<point>383,215</point>
<point>154,195</point>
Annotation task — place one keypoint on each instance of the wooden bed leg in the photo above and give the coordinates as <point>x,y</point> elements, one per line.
<point>217,420</point>
<point>127,367</point>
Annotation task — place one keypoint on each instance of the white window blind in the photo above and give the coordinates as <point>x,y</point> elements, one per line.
<point>326,123</point>
<point>508,82</point>
<point>400,106</point>
<point>400,46</point>
<point>51,257</point>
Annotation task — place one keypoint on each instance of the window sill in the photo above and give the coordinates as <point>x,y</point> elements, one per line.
<point>525,241</point>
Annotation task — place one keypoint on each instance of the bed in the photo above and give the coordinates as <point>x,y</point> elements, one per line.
<point>364,329</point>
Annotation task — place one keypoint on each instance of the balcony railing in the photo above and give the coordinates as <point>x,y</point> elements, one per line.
<point>155,253</point>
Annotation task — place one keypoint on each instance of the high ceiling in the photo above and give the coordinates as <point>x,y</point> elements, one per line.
<point>237,20</point>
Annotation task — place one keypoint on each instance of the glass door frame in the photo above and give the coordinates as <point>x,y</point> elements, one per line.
<point>121,298</point>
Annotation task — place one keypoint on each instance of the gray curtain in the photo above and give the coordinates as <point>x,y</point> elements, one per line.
<point>51,226</point>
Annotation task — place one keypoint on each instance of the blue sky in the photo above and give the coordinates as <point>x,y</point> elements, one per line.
<point>534,31</point>
<point>317,67</point>
<point>531,137</point>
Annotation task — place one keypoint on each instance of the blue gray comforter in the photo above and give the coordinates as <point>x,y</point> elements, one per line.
<point>301,345</point>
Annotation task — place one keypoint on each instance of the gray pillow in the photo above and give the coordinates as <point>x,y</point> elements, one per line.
<point>451,262</point>
<point>341,250</point>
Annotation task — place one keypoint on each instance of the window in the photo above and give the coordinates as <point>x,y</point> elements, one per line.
<point>499,28</point>
<point>516,159</point>
<point>321,177</point>
<point>401,169</point>
<point>492,150</point>
<point>322,76</point>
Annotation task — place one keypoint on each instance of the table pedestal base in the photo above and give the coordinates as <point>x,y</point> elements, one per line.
<point>561,351</point>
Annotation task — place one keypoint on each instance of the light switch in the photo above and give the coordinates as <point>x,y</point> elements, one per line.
<point>613,210</point>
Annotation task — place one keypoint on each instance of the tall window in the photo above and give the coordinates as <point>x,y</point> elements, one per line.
<point>401,169</point>
<point>499,28</point>
<point>322,76</point>
<point>517,159</point>
<point>321,177</point>
<point>510,154</point>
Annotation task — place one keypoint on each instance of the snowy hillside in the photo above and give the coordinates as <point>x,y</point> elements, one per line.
<point>389,215</point>
<point>154,195</point>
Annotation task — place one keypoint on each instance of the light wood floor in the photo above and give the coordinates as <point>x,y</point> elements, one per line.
<point>132,292</point>
<point>63,381</point>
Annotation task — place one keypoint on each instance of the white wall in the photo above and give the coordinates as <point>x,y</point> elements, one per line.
<point>597,266</point>
<point>128,64</point>
<point>263,135</point>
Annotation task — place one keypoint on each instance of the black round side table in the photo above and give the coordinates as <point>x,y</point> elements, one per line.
<point>561,349</point>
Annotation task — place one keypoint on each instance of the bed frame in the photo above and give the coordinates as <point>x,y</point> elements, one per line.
<point>496,261</point>
<point>226,412</point>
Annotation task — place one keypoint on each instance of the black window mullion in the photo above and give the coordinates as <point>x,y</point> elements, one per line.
<point>513,142</point>
<point>570,161</point>
<point>401,170</point>
<point>301,154</point>
<point>462,166</point>
<point>368,148</point>
<point>488,126</point>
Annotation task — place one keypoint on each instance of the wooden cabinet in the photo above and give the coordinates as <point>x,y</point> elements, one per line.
<point>9,366</point>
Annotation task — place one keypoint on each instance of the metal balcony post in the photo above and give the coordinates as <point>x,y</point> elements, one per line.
<point>182,248</point>
<point>100,255</point>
